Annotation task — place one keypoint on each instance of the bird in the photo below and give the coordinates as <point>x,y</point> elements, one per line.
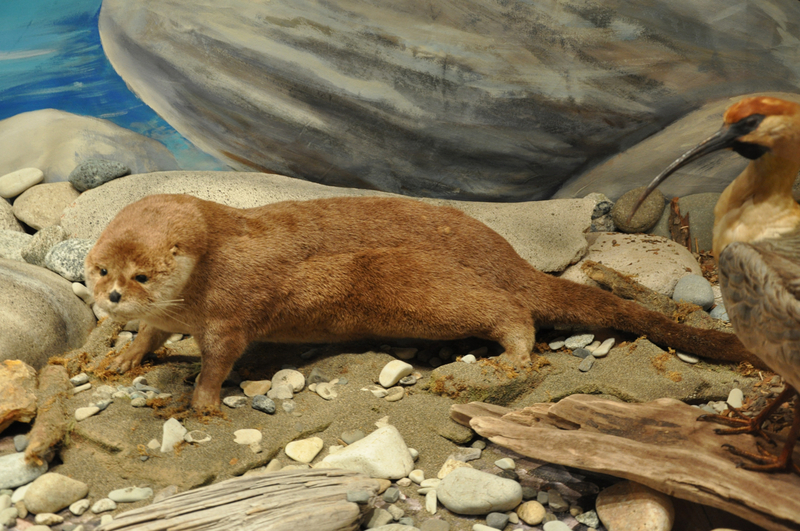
<point>756,242</point>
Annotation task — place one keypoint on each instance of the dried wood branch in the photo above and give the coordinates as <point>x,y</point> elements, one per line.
<point>50,425</point>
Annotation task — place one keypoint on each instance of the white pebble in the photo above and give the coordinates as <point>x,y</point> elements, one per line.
<point>557,343</point>
<point>82,387</point>
<point>604,348</point>
<point>404,482</point>
<point>556,525</point>
<point>104,505</point>
<point>172,435</point>
<point>393,371</point>
<point>79,507</point>
<point>197,436</point>
<point>291,377</point>
<point>430,502</point>
<point>688,358</point>
<point>139,401</point>
<point>247,436</point>
<point>85,412</point>
<point>735,398</point>
<point>505,463</point>
<point>304,450</point>
<point>469,358</point>
<point>83,292</point>
<point>79,379</point>
<point>417,476</point>
<point>280,391</point>
<point>414,453</point>
<point>14,183</point>
<point>578,341</point>
<point>235,401</point>
<point>174,338</point>
<point>19,493</point>
<point>48,519</point>
<point>106,519</point>
<point>430,482</point>
<point>326,390</point>
<point>154,444</point>
<point>130,494</point>
<point>404,353</point>
<point>592,346</point>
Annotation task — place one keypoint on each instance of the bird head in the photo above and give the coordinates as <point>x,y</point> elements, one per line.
<point>755,128</point>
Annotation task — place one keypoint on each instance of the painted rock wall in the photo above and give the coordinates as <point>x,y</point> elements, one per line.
<point>470,99</point>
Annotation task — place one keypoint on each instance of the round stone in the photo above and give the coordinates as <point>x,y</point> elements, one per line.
<point>395,394</point>
<point>235,401</point>
<point>67,258</point>
<point>52,492</point>
<point>253,388</point>
<point>280,391</point>
<point>694,289</point>
<point>719,312</point>
<point>629,505</point>
<point>264,404</point>
<point>326,390</point>
<point>556,525</point>
<point>291,377</point>
<point>417,476</point>
<point>393,371</point>
<point>505,463</point>
<point>647,215</point>
<point>79,507</point>
<point>578,341</point>
<point>91,173</point>
<point>197,436</point>
<point>14,471</point>
<point>103,505</point>
<point>247,436</point>
<point>469,491</point>
<point>14,183</point>
<point>304,450</point>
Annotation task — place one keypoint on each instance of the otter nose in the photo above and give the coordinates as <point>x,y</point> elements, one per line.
<point>114,296</point>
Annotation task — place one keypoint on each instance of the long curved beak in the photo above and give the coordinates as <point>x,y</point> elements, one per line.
<point>723,139</point>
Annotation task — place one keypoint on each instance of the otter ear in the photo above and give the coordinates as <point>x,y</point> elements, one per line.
<point>174,250</point>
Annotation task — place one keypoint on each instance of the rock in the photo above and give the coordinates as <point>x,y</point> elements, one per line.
<point>393,371</point>
<point>466,454</point>
<point>48,519</point>
<point>646,216</point>
<point>12,243</point>
<point>405,353</point>
<point>531,512</point>
<point>589,519</point>
<point>20,440</point>
<point>247,436</point>
<point>304,450</point>
<point>291,377</point>
<point>14,471</point>
<point>694,289</point>
<point>57,141</point>
<point>18,397</point>
<point>83,292</point>
<point>470,491</point>
<point>8,517</point>
<point>688,358</point>
<point>327,391</point>
<point>735,398</point>
<point>14,183</point>
<point>282,391</point>
<point>578,341</point>
<point>556,525</point>
<point>197,436</point>
<point>67,258</point>
<point>655,262</point>
<point>42,205</point>
<point>497,520</point>
<point>469,358</point>
<point>41,243</point>
<point>252,388</point>
<point>700,208</point>
<point>172,435</point>
<point>263,404</point>
<point>417,476</point>
<point>586,364</point>
<point>235,401</point>
<point>530,227</point>
<point>103,505</point>
<point>83,413</point>
<point>632,506</point>
<point>450,465</point>
<point>556,502</point>
<point>604,348</point>
<point>381,454</point>
<point>130,494</point>
<point>557,343</point>
<point>719,312</point>
<point>91,173</point>
<point>394,394</point>
<point>52,492</point>
<point>505,463</point>
<point>79,507</point>
<point>431,501</point>
<point>7,219</point>
<point>581,352</point>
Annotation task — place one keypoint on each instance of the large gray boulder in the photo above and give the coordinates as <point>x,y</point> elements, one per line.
<point>57,141</point>
<point>548,234</point>
<point>40,316</point>
<point>475,99</point>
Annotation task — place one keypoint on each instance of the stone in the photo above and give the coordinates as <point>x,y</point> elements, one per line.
<point>67,258</point>
<point>247,436</point>
<point>578,341</point>
<point>42,205</point>
<point>263,404</point>
<point>735,398</point>
<point>557,343</point>
<point>694,289</point>
<point>56,141</point>
<point>15,472</point>
<point>20,442</point>
<point>394,394</point>
<point>472,492</point>
<point>83,413</point>
<point>293,378</point>
<point>449,465</point>
<point>688,358</point>
<point>434,525</point>
<point>466,454</point>
<point>18,396</point>
<point>404,353</point>
<point>589,519</point>
<point>531,512</point>
<point>19,494</point>
<point>327,391</point>
<point>79,507</point>
<point>8,517</point>
<point>103,505</point>
<point>92,173</point>
<point>581,352</point>
<point>281,391</point>
<point>604,348</point>
<point>719,312</point>
<point>586,364</point>
<point>235,401</point>
<point>7,219</point>
<point>41,243</point>
<point>700,208</point>
<point>635,507</point>
<point>530,227</point>
<point>52,492</point>
<point>380,517</point>
<point>417,476</point>
<point>556,502</point>
<point>431,501</point>
<point>130,494</point>
<point>14,183</point>
<point>393,371</point>
<point>253,388</point>
<point>381,454</point>
<point>304,450</point>
<point>556,525</point>
<point>646,216</point>
<point>359,496</point>
<point>12,243</point>
<point>653,261</point>
<point>497,520</point>
<point>505,463</point>
<point>197,436</point>
<point>173,433</point>
<point>48,519</point>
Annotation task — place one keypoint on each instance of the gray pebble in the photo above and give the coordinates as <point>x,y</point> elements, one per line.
<point>91,173</point>
<point>289,406</point>
<point>694,289</point>
<point>578,341</point>
<point>391,495</point>
<point>556,502</point>
<point>379,517</point>
<point>646,216</point>
<point>479,444</point>
<point>103,404</point>
<point>589,519</point>
<point>497,520</point>
<point>67,258</point>
<point>529,493</point>
<point>587,363</point>
<point>407,521</point>
<point>543,497</point>
<point>408,380</point>
<point>235,401</point>
<point>359,496</point>
<point>20,442</point>
<point>719,312</point>
<point>37,248</point>
<point>103,505</point>
<point>343,381</point>
<point>466,454</point>
<point>581,352</point>
<point>351,436</point>
<point>316,376</point>
<point>79,379</point>
<point>264,404</point>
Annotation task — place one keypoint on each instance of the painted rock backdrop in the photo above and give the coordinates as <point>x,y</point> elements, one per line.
<point>470,99</point>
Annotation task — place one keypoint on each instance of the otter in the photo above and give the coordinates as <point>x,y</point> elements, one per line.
<point>333,270</point>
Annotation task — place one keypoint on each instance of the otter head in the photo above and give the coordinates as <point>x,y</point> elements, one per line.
<point>143,260</point>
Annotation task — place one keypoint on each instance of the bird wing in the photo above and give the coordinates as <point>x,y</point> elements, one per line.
<point>760,285</point>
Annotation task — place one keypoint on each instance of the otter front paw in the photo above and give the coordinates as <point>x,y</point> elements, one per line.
<point>123,363</point>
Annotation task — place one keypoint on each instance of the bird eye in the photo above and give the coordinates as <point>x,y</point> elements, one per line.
<point>141,278</point>
<point>103,271</point>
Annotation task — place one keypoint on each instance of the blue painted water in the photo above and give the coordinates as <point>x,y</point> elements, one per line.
<point>51,57</point>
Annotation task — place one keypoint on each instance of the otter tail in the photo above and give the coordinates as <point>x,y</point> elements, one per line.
<point>560,301</point>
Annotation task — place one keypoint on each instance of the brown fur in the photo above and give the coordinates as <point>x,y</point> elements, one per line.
<point>335,270</point>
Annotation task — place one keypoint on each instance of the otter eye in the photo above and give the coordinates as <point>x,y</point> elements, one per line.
<point>141,278</point>
<point>103,271</point>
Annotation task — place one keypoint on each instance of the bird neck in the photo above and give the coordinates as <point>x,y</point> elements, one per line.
<point>758,204</point>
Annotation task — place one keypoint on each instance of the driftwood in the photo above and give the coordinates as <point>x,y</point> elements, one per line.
<point>659,444</point>
<point>627,288</point>
<point>679,225</point>
<point>50,425</point>
<point>280,501</point>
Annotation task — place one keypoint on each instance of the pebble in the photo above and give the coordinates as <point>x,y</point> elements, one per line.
<point>79,507</point>
<point>557,343</point>
<point>380,517</point>
<point>139,401</point>
<point>469,491</point>
<point>556,502</point>
<point>505,463</point>
<point>326,390</point>
<point>14,471</point>
<point>351,436</point>
<point>173,433</point>
<point>79,379</point>
<point>450,465</point>
<point>430,482</point>
<point>197,436</point>
<point>404,482</point>
<point>417,476</point>
<point>635,507</point>
<point>5,501</point>
<point>431,499</point>
<point>20,442</point>
<point>469,358</point>
<point>497,520</point>
<point>466,454</point>
<point>291,377</point>
<point>404,353</point>
<point>589,519</point>
<point>604,348</point>
<point>252,388</point>
<point>305,450</point>
<point>264,404</point>
<point>557,525</point>
<point>8,517</point>
<point>587,363</point>
<point>359,496</point>
<point>382,454</point>
<point>396,512</point>
<point>408,380</point>
<point>12,243</point>
<point>481,527</point>
<point>78,289</point>
<point>41,243</point>
<point>581,353</point>
<point>391,495</point>
<point>394,394</point>
<point>91,173</point>
<point>80,388</point>
<point>694,289</point>
<point>393,371</point>
<point>42,205</point>
<point>67,258</point>
<point>719,312</point>
<point>578,341</point>
<point>281,391</point>
<point>479,444</point>
<point>735,398</point>
<point>414,453</point>
<point>130,494</point>
<point>647,215</point>
<point>14,183</point>
<point>103,404</point>
<point>103,505</point>
<point>434,525</point>
<point>247,436</point>
<point>688,358</point>
<point>543,497</point>
<point>52,492</point>
<point>235,401</point>
<point>48,519</point>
